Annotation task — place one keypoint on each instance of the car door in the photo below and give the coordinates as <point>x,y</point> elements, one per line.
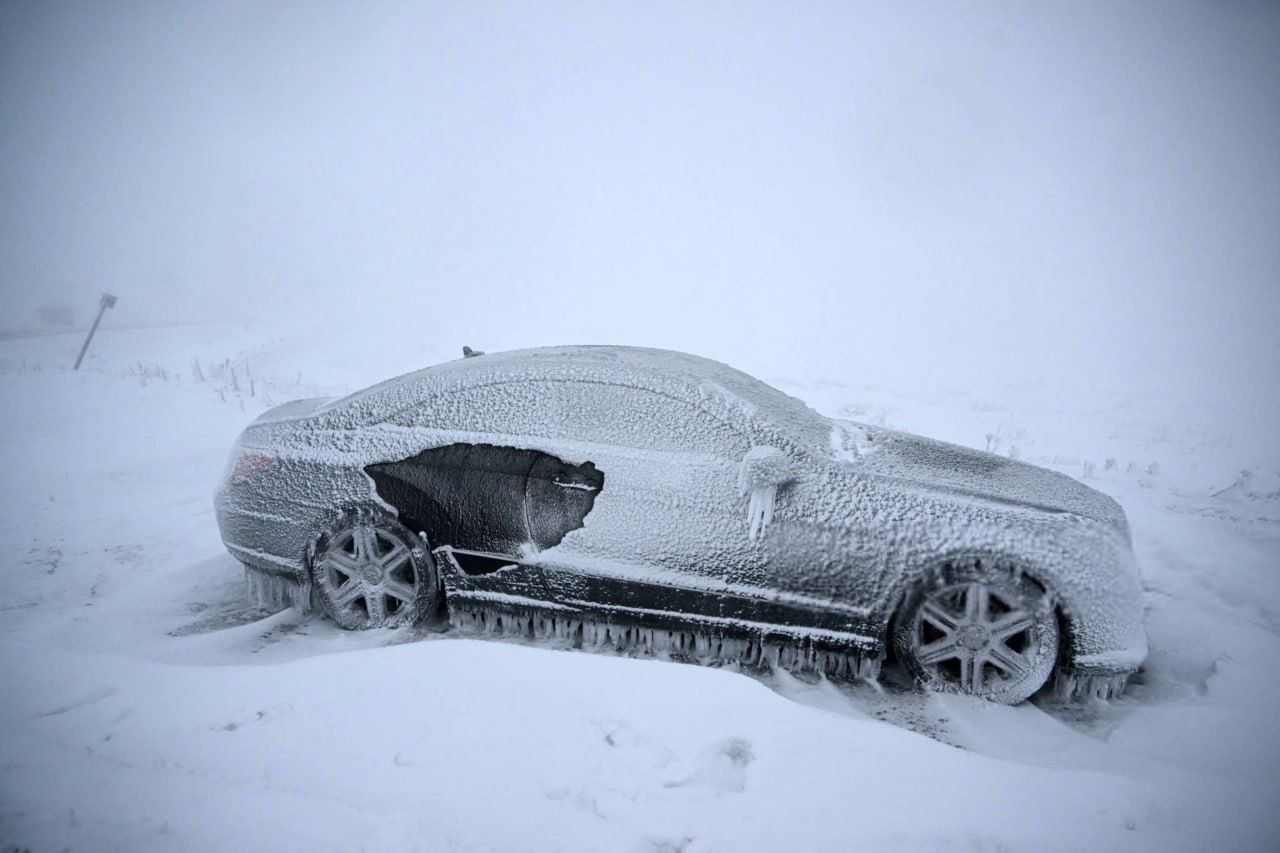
<point>668,530</point>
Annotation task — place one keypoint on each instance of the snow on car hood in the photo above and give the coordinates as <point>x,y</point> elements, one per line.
<point>967,473</point>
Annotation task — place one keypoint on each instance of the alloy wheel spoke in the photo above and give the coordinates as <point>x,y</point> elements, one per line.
<point>933,612</point>
<point>1005,658</point>
<point>343,561</point>
<point>977,674</point>
<point>940,650</point>
<point>970,670</point>
<point>975,601</point>
<point>346,594</point>
<point>395,558</point>
<point>366,548</point>
<point>377,606</point>
<point>396,589</point>
<point>1011,623</point>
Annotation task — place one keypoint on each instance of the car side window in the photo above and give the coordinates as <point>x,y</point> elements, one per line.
<point>582,410</point>
<point>509,408</point>
<point>644,419</point>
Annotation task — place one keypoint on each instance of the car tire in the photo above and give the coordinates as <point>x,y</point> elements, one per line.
<point>370,571</point>
<point>982,628</point>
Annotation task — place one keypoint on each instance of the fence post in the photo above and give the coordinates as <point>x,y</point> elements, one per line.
<point>107,301</point>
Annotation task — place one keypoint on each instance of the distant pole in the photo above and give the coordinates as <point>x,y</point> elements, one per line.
<point>107,301</point>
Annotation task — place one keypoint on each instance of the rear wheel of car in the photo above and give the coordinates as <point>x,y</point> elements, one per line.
<point>982,629</point>
<point>370,571</point>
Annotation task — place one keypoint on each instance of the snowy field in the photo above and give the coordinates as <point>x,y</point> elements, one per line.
<point>148,707</point>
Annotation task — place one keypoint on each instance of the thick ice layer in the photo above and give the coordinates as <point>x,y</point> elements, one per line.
<point>1069,686</point>
<point>797,654</point>
<point>273,592</point>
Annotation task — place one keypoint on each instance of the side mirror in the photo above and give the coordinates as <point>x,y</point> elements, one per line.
<point>763,470</point>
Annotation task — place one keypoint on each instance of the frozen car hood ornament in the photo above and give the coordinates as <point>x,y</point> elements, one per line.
<point>668,504</point>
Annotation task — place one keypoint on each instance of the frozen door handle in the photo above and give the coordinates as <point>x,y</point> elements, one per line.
<point>567,483</point>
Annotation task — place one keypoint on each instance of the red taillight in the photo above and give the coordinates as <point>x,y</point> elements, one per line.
<point>248,463</point>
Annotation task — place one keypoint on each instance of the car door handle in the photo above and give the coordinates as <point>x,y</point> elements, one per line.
<point>573,484</point>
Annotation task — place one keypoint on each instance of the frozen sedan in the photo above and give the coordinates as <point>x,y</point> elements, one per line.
<point>672,505</point>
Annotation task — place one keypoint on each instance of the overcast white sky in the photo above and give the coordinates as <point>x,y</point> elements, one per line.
<point>1015,189</point>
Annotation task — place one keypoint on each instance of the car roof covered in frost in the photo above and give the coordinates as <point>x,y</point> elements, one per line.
<point>674,374</point>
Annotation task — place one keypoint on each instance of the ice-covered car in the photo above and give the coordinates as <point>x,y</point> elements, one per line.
<point>673,505</point>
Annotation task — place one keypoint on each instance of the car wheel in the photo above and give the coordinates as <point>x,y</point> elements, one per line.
<point>983,630</point>
<point>370,571</point>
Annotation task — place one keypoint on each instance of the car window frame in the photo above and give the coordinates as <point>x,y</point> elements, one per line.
<point>738,430</point>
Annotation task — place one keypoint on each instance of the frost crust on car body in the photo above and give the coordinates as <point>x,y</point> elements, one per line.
<point>863,513</point>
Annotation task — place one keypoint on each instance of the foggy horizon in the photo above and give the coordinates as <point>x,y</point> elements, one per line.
<point>1084,192</point>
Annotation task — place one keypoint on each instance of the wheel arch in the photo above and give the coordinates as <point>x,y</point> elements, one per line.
<point>942,569</point>
<point>340,518</point>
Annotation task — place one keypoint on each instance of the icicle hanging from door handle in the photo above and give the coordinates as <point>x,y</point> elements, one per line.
<point>763,470</point>
<point>760,509</point>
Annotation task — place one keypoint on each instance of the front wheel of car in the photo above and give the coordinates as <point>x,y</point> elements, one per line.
<point>979,629</point>
<point>370,571</point>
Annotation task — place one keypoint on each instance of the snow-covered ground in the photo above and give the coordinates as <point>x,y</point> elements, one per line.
<point>147,707</point>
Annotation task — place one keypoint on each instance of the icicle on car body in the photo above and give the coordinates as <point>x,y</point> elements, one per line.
<point>670,505</point>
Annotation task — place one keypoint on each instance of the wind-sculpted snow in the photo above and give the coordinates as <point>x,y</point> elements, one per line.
<point>713,478</point>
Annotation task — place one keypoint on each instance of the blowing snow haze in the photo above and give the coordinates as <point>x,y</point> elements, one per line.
<point>1050,231</point>
<point>1049,191</point>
